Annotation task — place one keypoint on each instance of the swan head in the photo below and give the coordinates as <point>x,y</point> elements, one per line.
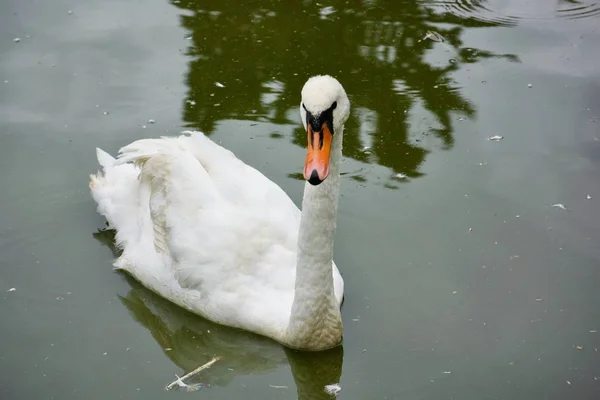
<point>324,109</point>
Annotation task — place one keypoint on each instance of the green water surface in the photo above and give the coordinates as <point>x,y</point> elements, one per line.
<point>465,279</point>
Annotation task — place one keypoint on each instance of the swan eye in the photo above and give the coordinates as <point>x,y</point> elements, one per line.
<point>333,106</point>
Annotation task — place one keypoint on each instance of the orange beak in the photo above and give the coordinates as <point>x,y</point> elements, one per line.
<point>316,166</point>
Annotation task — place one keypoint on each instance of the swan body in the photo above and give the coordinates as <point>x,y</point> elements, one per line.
<point>213,235</point>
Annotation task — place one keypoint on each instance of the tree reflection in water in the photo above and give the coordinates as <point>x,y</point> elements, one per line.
<point>263,51</point>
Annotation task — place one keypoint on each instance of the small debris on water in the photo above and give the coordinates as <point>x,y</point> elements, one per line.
<point>70,12</point>
<point>579,347</point>
<point>559,205</point>
<point>456,291</point>
<point>333,389</point>
<point>538,299</point>
<point>12,289</point>
<point>432,35</point>
<point>400,176</point>
<point>151,121</point>
<point>179,381</point>
<point>191,102</point>
<point>219,84</point>
<point>587,196</point>
<point>461,118</point>
<point>568,383</point>
<point>470,229</point>
<point>529,85</point>
<point>447,372</point>
<point>189,388</point>
<point>278,387</point>
<point>452,61</point>
<point>16,40</point>
<point>106,113</point>
<point>593,331</point>
<point>495,138</point>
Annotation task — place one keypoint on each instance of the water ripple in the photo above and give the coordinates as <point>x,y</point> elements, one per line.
<point>512,12</point>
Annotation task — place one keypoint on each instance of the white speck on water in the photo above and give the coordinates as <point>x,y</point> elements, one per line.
<point>529,85</point>
<point>278,387</point>
<point>559,205</point>
<point>70,12</point>
<point>326,12</point>
<point>217,104</point>
<point>105,353</point>
<point>188,37</point>
<point>5,81</point>
<point>333,389</point>
<point>12,289</point>
<point>400,176</point>
<point>447,372</point>
<point>495,138</point>
<point>143,126</point>
<point>60,298</point>
<point>16,40</point>
<point>219,84</point>
<point>461,118</point>
<point>568,383</point>
<point>151,121</point>
<point>106,113</point>
<point>587,196</point>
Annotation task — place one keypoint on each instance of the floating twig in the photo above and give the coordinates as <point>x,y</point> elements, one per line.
<point>179,381</point>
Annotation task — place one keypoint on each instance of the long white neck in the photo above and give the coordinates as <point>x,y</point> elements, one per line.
<point>315,321</point>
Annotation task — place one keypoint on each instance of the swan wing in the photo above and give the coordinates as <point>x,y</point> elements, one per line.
<point>203,229</point>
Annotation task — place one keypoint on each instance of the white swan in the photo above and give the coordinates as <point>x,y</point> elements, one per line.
<point>215,236</point>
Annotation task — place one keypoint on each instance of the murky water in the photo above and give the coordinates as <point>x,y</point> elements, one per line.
<point>464,278</point>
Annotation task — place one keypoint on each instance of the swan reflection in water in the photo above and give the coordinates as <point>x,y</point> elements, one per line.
<point>190,341</point>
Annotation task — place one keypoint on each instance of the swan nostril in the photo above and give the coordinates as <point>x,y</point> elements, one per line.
<point>314,178</point>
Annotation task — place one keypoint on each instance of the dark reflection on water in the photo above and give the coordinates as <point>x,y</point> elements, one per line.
<point>190,341</point>
<point>263,51</point>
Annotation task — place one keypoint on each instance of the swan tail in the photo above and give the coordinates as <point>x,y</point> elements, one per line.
<point>104,159</point>
<point>115,191</point>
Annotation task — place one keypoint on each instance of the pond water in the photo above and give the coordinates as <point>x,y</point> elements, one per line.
<point>472,266</point>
